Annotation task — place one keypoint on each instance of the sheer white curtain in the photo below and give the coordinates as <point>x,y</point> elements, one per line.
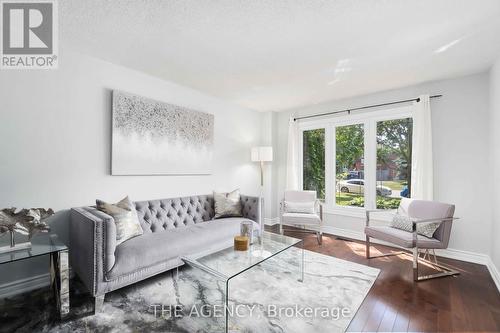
<point>421,158</point>
<point>292,157</point>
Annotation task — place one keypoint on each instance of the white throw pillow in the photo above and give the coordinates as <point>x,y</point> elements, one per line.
<point>299,207</point>
<point>125,217</point>
<point>227,204</point>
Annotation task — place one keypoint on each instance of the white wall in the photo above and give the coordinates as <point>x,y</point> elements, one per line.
<point>495,157</point>
<point>55,134</point>
<point>462,169</point>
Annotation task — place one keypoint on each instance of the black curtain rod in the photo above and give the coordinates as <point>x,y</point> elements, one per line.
<point>363,107</point>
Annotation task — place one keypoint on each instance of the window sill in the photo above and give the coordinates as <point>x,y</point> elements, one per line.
<point>357,212</point>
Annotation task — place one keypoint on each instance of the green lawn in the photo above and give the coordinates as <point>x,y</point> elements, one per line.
<point>346,199</point>
<point>393,184</point>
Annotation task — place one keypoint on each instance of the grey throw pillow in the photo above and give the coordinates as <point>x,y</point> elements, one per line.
<point>227,204</point>
<point>125,216</point>
<point>403,222</point>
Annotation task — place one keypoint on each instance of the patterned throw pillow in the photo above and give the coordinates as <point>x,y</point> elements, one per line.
<point>125,216</point>
<point>227,204</point>
<point>403,222</point>
<point>299,207</point>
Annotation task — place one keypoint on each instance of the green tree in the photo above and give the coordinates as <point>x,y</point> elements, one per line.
<point>349,146</point>
<point>394,137</point>
<point>314,161</point>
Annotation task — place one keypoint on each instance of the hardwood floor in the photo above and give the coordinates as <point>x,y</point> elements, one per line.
<point>468,302</point>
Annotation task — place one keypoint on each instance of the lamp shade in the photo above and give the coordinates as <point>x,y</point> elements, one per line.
<point>262,154</point>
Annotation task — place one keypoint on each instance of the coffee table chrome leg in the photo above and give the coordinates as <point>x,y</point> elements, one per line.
<point>302,262</point>
<point>226,307</point>
<point>59,279</point>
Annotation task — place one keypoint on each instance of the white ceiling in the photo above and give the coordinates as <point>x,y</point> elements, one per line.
<point>280,54</point>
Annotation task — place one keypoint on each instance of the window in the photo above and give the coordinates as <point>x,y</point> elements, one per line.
<point>313,163</point>
<point>349,161</point>
<point>358,161</point>
<point>393,161</point>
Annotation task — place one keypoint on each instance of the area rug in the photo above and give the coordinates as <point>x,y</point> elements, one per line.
<point>266,298</point>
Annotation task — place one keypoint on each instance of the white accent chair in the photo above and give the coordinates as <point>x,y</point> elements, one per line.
<point>309,222</point>
<point>419,211</point>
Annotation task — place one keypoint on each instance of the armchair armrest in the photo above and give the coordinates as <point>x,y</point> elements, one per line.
<point>93,243</point>
<point>370,211</point>
<point>436,219</point>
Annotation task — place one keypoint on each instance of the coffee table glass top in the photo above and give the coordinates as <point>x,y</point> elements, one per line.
<point>41,244</point>
<point>227,263</point>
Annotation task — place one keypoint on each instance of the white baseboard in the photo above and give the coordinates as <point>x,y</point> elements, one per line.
<point>271,221</point>
<point>24,285</point>
<point>495,275</point>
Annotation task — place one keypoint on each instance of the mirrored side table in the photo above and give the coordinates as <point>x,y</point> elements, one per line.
<point>48,244</point>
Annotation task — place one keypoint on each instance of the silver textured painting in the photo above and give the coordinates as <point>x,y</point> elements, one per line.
<point>157,138</point>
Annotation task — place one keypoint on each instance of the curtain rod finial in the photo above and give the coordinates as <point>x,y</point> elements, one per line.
<point>418,99</point>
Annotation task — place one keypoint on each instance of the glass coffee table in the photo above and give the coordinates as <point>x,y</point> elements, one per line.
<point>47,244</point>
<point>228,263</point>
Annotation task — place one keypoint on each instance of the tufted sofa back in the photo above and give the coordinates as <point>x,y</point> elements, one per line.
<point>164,214</point>
<point>167,214</point>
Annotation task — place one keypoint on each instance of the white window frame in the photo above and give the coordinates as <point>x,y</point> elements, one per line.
<point>369,120</point>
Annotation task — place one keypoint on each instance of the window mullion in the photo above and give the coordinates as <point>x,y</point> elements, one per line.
<point>330,165</point>
<point>370,164</point>
<point>301,159</point>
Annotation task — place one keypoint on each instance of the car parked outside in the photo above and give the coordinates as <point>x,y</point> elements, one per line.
<point>357,186</point>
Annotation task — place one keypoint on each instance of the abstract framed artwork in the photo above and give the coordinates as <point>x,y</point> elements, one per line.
<point>157,138</point>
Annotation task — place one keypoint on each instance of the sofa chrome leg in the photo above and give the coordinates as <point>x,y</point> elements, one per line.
<point>98,303</point>
<point>319,235</point>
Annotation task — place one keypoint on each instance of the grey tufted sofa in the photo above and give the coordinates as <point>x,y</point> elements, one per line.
<point>172,228</point>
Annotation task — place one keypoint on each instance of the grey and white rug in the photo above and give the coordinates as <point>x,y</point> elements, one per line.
<point>266,298</point>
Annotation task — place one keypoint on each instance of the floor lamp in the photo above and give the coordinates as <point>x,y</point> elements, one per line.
<point>261,155</point>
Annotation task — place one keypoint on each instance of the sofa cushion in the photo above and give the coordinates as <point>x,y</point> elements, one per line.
<point>153,248</point>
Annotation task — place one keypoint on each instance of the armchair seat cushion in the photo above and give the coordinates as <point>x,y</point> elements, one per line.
<point>402,238</point>
<point>300,218</point>
<point>153,248</point>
